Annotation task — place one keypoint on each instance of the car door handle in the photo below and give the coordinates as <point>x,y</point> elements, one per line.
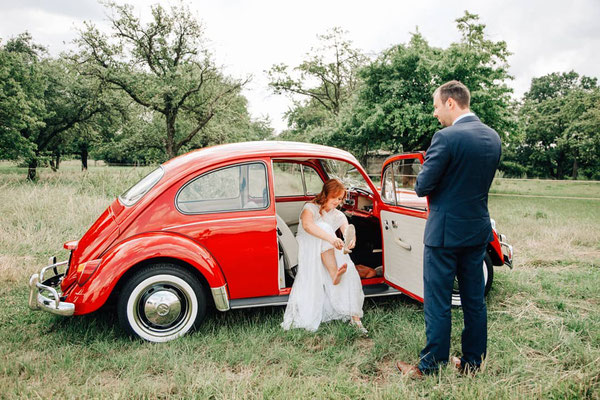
<point>394,225</point>
<point>386,225</point>
<point>403,244</point>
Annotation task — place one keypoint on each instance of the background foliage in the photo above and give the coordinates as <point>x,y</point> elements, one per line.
<point>144,92</point>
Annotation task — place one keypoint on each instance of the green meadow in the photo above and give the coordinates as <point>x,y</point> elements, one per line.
<point>543,316</point>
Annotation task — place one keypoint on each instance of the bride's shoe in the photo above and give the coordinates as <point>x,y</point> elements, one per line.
<point>349,237</point>
<point>359,326</point>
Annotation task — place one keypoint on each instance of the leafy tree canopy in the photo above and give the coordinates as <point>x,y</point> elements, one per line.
<point>164,66</point>
<point>559,124</point>
<point>393,107</point>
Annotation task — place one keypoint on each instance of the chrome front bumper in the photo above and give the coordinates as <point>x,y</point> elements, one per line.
<point>507,251</point>
<point>40,288</point>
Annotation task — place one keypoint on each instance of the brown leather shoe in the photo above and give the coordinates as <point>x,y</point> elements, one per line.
<point>408,370</point>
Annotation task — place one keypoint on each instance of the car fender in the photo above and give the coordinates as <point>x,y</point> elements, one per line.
<point>135,250</point>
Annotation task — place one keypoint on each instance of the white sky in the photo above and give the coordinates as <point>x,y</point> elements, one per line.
<point>248,37</point>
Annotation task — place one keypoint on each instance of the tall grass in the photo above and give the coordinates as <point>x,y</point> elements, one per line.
<point>544,317</point>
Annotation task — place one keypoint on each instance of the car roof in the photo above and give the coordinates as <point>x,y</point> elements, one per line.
<point>274,149</point>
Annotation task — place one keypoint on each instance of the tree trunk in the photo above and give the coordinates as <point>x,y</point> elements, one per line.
<point>32,169</point>
<point>57,160</point>
<point>575,168</point>
<point>170,140</point>
<point>84,158</point>
<point>560,174</point>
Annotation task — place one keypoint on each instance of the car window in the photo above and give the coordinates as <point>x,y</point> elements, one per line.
<point>405,173</point>
<point>388,193</point>
<point>314,183</point>
<point>398,184</point>
<point>287,179</point>
<point>294,179</point>
<point>137,191</point>
<point>239,187</point>
<point>346,173</point>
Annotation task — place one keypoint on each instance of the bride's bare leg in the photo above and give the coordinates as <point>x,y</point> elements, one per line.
<point>328,258</point>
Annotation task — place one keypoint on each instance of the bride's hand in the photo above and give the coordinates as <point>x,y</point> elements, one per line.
<point>337,243</point>
<point>352,244</point>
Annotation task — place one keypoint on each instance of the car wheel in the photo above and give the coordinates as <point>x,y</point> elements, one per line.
<point>161,302</point>
<point>488,278</point>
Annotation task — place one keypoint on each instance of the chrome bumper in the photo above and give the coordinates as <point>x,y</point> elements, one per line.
<point>507,251</point>
<point>38,287</point>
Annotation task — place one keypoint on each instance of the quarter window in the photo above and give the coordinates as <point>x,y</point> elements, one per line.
<point>137,191</point>
<point>294,179</point>
<point>314,183</point>
<point>239,187</point>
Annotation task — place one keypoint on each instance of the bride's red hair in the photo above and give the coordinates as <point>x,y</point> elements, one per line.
<point>331,188</point>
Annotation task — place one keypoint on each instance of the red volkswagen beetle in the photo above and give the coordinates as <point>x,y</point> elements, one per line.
<point>215,228</point>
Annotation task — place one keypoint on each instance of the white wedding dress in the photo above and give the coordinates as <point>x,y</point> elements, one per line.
<point>314,298</point>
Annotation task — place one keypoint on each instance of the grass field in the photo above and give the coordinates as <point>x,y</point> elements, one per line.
<point>544,316</point>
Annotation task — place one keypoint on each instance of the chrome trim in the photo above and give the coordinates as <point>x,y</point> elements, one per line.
<point>46,268</point>
<point>269,304</point>
<point>218,220</point>
<point>220,297</point>
<point>52,304</point>
<point>390,292</point>
<point>507,253</point>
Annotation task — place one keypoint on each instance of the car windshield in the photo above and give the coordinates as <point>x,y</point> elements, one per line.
<point>137,191</point>
<point>345,172</point>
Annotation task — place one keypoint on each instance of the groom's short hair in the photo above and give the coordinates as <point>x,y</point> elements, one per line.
<point>455,89</point>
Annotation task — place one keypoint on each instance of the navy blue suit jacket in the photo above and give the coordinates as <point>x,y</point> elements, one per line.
<point>459,168</point>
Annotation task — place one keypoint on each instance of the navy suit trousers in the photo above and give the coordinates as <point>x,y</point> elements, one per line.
<point>440,266</point>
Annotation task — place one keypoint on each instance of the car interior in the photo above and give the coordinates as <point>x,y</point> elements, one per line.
<point>296,182</point>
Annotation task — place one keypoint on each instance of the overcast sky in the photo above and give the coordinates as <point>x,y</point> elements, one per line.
<point>248,37</point>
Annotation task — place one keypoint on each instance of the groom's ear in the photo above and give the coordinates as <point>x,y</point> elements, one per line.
<point>450,103</point>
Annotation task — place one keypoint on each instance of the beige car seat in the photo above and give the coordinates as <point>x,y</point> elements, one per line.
<point>289,244</point>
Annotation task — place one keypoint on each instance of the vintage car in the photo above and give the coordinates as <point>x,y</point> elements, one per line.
<point>215,228</point>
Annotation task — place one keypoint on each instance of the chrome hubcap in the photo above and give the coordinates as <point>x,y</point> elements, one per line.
<point>162,308</point>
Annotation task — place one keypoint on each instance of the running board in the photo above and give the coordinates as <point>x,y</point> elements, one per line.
<point>267,301</point>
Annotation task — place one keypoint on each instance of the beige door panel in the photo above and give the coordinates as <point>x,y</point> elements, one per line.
<point>403,250</point>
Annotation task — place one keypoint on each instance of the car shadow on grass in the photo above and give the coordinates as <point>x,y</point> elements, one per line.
<point>103,325</point>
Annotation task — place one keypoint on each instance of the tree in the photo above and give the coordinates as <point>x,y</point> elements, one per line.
<point>163,66</point>
<point>138,141</point>
<point>559,120</point>
<point>55,99</point>
<point>321,85</point>
<point>21,95</point>
<point>393,107</point>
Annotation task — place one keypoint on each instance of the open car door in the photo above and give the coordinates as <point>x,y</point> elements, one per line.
<point>403,215</point>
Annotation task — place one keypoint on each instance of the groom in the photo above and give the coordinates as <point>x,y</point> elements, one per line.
<point>459,168</point>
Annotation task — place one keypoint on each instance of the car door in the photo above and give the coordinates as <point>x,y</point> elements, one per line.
<point>403,216</point>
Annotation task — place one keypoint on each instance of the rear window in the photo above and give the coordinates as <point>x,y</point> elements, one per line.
<point>137,191</point>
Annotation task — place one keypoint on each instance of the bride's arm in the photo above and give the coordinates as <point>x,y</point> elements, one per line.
<point>311,228</point>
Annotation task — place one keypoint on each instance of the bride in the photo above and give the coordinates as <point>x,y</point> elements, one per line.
<point>327,285</point>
